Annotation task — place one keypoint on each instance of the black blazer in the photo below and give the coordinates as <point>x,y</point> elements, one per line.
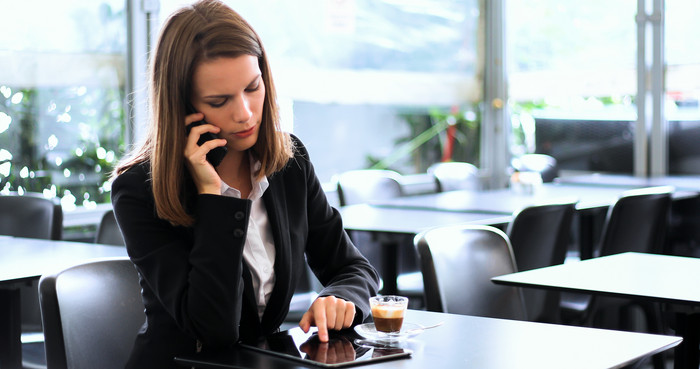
<point>195,284</point>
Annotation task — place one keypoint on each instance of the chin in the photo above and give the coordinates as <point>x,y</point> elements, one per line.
<point>243,144</point>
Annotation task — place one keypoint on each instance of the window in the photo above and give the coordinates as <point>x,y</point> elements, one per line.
<point>573,83</point>
<point>62,96</point>
<point>348,72</point>
<point>683,86</point>
<point>572,75</point>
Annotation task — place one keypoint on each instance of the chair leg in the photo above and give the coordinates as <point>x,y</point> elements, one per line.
<point>654,320</point>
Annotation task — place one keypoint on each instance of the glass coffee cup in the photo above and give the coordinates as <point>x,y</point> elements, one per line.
<point>388,312</point>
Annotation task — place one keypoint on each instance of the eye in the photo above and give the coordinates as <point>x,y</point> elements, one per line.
<point>217,103</point>
<point>253,86</point>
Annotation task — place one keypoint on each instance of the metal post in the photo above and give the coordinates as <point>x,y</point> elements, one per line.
<point>659,136</point>
<point>141,17</point>
<point>651,139</point>
<point>640,133</point>
<point>494,128</point>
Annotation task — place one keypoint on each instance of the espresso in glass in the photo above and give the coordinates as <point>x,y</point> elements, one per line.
<point>388,312</point>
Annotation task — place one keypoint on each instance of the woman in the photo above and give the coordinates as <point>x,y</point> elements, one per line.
<point>219,250</point>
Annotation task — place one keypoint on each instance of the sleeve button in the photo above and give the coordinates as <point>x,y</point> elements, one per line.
<point>239,215</point>
<point>238,233</point>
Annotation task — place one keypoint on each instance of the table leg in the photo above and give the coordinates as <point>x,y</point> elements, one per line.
<point>591,222</point>
<point>390,267</point>
<point>585,234</point>
<point>686,353</point>
<point>10,329</point>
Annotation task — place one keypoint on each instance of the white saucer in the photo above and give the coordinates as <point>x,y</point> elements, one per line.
<point>369,332</point>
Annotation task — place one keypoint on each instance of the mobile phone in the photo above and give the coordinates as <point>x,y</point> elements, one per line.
<point>215,155</point>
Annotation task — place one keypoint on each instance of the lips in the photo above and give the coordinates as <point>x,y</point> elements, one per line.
<point>246,133</point>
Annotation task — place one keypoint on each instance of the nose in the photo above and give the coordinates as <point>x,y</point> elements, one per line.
<point>241,112</point>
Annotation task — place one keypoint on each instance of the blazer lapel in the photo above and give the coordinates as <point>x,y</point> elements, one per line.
<point>276,209</point>
<point>248,294</point>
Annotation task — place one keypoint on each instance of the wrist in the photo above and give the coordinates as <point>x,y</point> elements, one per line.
<point>209,190</point>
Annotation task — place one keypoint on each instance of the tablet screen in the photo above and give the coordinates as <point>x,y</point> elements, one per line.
<point>341,349</point>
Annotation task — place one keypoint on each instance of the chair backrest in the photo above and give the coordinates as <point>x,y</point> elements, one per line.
<point>31,215</point>
<point>108,232</point>
<point>543,164</point>
<point>91,314</point>
<point>367,185</point>
<point>637,222</point>
<point>450,176</point>
<point>540,236</point>
<point>458,262</point>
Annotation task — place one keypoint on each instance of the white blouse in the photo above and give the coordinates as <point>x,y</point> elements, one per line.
<point>259,249</point>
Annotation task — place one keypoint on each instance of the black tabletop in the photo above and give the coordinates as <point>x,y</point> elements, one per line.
<point>486,343</point>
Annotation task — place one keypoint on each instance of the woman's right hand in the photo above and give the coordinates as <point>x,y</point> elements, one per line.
<point>205,176</point>
<point>338,350</point>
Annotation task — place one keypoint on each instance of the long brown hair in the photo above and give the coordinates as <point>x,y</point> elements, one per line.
<point>203,31</point>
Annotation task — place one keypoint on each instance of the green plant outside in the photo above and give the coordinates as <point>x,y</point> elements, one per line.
<point>62,142</point>
<point>427,139</point>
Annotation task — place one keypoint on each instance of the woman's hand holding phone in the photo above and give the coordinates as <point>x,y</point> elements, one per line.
<point>205,176</point>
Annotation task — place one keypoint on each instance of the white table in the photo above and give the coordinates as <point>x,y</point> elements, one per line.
<point>389,224</point>
<point>662,278</point>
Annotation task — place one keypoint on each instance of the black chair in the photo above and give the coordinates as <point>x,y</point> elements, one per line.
<point>91,313</point>
<point>540,236</point>
<point>543,164</point>
<point>108,232</point>
<point>31,215</point>
<point>451,176</point>
<point>637,222</point>
<point>458,263</point>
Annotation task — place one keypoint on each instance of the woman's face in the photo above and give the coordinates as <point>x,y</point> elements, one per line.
<point>230,92</point>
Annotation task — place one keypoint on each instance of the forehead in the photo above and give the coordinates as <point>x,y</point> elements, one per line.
<point>231,72</point>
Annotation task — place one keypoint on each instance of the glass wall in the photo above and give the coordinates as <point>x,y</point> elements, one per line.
<point>364,83</point>
<point>572,80</point>
<point>572,74</point>
<point>683,86</point>
<point>360,79</point>
<point>62,95</point>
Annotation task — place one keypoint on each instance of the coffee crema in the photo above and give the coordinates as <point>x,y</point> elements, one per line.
<point>388,319</point>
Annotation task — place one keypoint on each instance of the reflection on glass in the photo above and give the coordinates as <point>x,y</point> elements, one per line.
<point>336,350</point>
<point>341,348</point>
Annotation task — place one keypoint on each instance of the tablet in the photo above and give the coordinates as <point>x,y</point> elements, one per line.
<point>340,350</point>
